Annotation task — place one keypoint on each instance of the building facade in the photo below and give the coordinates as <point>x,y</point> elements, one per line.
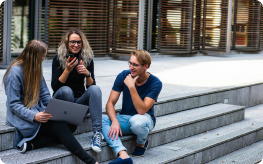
<point>116,27</point>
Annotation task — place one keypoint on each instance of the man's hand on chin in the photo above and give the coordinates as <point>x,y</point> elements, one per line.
<point>129,81</point>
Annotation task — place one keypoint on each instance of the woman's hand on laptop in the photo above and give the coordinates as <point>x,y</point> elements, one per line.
<point>42,117</point>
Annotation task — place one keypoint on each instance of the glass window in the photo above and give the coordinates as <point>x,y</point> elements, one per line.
<point>20,26</point>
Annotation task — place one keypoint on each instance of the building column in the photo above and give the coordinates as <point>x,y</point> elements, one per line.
<point>141,25</point>
<point>46,13</point>
<point>7,32</point>
<point>229,27</point>
<point>38,13</point>
<point>149,20</point>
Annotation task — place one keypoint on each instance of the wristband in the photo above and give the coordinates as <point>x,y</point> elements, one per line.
<point>89,75</point>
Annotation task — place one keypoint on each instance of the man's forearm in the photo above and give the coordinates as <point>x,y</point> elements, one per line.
<point>111,112</point>
<point>137,101</point>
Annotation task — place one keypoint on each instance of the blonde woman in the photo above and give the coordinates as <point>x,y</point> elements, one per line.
<point>27,98</point>
<point>70,74</point>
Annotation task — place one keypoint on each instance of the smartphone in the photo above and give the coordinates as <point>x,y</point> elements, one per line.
<point>71,57</point>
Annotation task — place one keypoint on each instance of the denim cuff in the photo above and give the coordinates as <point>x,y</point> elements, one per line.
<point>141,142</point>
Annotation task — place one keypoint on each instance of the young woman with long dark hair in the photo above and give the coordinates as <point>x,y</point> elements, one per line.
<point>27,98</point>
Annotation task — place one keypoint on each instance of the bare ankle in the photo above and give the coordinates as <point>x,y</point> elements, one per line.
<point>123,155</point>
<point>140,145</point>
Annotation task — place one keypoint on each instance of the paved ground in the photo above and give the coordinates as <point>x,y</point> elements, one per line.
<point>180,75</point>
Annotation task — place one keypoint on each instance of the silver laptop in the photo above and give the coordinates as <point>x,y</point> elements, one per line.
<point>69,112</point>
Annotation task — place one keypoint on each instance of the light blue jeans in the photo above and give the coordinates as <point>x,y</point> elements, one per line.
<point>140,125</point>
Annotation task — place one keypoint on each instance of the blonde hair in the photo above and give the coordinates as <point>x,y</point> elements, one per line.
<point>31,61</point>
<point>142,56</point>
<point>86,54</point>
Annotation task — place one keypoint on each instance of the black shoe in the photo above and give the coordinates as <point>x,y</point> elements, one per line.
<point>23,148</point>
<point>140,151</point>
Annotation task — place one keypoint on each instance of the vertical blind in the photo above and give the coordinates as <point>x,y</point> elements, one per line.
<point>197,24</point>
<point>253,27</point>
<point>123,26</point>
<point>62,16</point>
<point>188,25</point>
<point>214,25</point>
<point>247,25</point>
<point>111,26</point>
<point>43,23</point>
<point>176,26</point>
<point>1,30</point>
<point>89,16</point>
<point>95,24</point>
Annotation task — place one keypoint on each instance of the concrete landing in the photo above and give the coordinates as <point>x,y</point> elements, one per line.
<point>180,75</point>
<point>187,76</point>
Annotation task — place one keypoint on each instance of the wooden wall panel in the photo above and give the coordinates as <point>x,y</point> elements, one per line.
<point>111,26</point>
<point>95,25</point>
<point>197,24</point>
<point>175,26</point>
<point>123,26</point>
<point>89,16</point>
<point>253,27</point>
<point>214,25</point>
<point>248,25</point>
<point>43,15</point>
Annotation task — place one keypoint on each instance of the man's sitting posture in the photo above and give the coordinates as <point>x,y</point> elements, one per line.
<point>140,91</point>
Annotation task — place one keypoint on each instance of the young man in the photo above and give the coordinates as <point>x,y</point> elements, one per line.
<point>140,91</point>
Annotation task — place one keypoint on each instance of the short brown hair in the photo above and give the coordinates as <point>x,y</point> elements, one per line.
<point>142,56</point>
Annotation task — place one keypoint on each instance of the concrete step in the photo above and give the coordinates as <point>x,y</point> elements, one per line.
<point>244,95</point>
<point>248,155</point>
<point>206,147</point>
<point>168,129</point>
<point>164,107</point>
<point>7,133</point>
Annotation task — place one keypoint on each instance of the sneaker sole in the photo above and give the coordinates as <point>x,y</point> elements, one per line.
<point>24,149</point>
<point>96,149</point>
<point>139,156</point>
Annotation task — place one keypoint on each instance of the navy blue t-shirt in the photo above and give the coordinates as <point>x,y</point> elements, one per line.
<point>151,88</point>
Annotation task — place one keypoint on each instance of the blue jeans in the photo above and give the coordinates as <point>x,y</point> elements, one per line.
<point>91,97</point>
<point>140,125</point>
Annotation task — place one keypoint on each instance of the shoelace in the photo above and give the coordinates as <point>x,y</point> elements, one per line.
<point>98,137</point>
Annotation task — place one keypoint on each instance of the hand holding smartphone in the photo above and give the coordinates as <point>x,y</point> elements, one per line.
<point>71,57</point>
